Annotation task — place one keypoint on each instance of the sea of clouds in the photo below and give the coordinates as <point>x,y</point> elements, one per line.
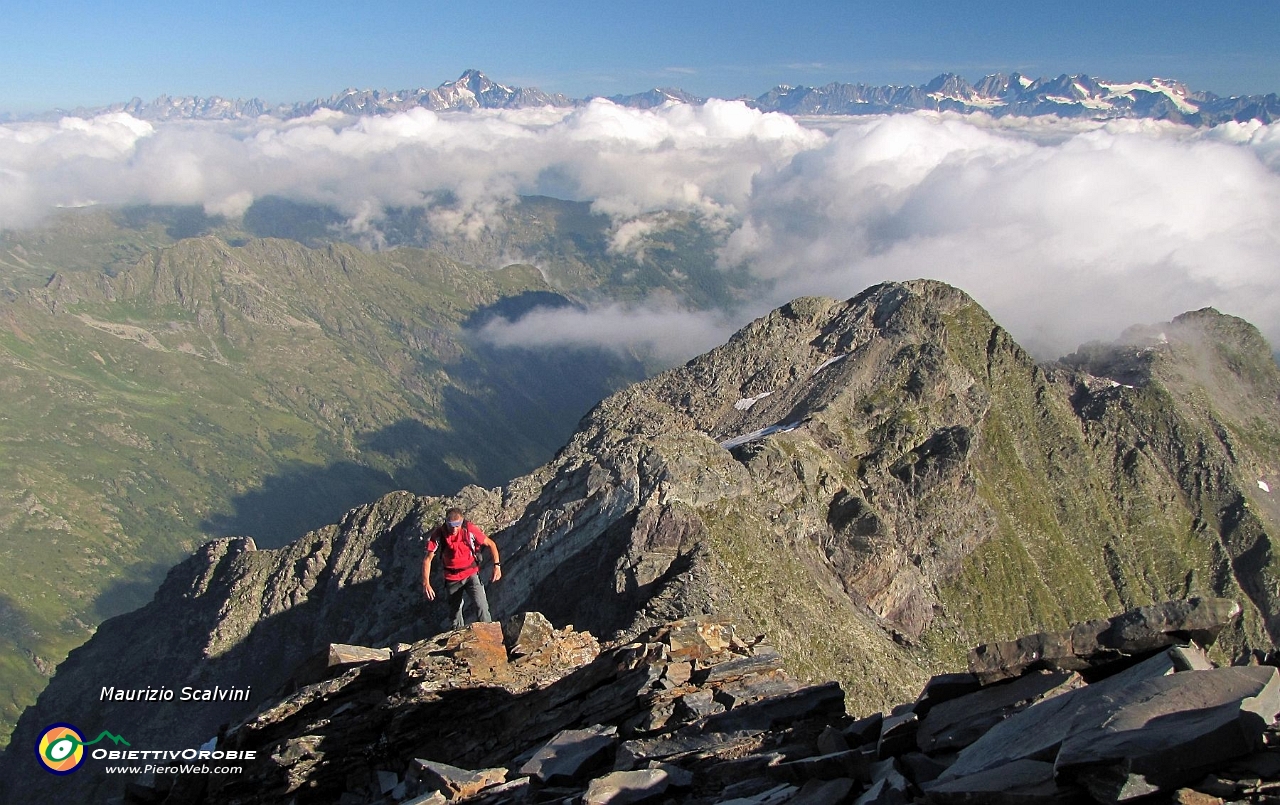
<point>1065,230</point>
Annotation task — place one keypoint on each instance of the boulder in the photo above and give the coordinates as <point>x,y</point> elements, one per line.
<point>1163,733</point>
<point>944,687</point>
<point>832,740</point>
<point>480,646</point>
<point>453,782</point>
<point>526,632</point>
<point>919,768</point>
<point>626,787</point>
<point>332,660</point>
<point>959,722</point>
<point>1189,658</point>
<point>1022,782</point>
<point>759,662</point>
<point>864,730</point>
<point>696,705</point>
<point>511,792</point>
<point>387,781</point>
<point>854,763</point>
<point>676,776</point>
<point>888,786</point>
<point>898,733</point>
<point>1189,796</point>
<point>824,792</point>
<point>1099,642</point>
<point>678,673</point>
<point>570,755</point>
<point>1036,732</point>
<point>747,788</point>
<point>816,701</point>
<point>638,752</point>
<point>1148,628</point>
<point>755,687</point>
<point>698,638</point>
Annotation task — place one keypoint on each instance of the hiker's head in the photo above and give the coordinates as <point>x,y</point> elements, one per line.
<point>453,518</point>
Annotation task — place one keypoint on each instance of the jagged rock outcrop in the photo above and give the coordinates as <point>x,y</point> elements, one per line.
<point>692,712</point>
<point>877,483</point>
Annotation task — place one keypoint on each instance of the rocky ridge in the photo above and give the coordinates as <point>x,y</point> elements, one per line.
<point>696,712</point>
<point>877,484</point>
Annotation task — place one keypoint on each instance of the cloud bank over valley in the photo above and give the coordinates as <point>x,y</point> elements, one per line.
<point>1065,230</point>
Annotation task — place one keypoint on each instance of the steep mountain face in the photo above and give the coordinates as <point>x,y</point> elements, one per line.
<point>204,389</point>
<point>999,94</point>
<point>877,484</point>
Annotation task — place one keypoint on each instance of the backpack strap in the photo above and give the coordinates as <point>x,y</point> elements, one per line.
<point>471,538</point>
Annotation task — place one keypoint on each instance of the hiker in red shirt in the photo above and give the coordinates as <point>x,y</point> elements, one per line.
<point>459,542</point>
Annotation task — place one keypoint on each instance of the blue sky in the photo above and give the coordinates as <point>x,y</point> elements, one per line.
<point>61,54</point>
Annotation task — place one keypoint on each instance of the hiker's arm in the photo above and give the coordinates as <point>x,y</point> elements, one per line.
<point>426,577</point>
<point>497,560</point>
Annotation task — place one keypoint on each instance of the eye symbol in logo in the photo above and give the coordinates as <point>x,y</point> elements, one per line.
<point>60,748</point>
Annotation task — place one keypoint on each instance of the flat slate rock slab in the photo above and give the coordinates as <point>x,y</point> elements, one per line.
<point>627,787</point>
<point>824,792</point>
<point>1094,643</point>
<point>959,722</point>
<point>570,754</point>
<point>1163,733</point>
<point>825,700</point>
<point>1022,782</point>
<point>1037,732</point>
<point>456,783</point>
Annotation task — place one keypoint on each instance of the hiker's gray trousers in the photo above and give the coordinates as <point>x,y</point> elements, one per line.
<point>470,587</point>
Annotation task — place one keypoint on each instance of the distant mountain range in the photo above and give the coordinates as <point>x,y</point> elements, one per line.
<point>1078,96</point>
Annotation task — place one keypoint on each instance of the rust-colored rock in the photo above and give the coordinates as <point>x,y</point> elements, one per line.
<point>480,646</point>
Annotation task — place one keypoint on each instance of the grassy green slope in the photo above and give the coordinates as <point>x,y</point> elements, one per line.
<point>1123,481</point>
<point>207,389</point>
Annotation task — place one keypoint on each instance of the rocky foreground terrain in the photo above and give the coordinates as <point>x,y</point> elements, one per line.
<point>877,484</point>
<point>695,711</point>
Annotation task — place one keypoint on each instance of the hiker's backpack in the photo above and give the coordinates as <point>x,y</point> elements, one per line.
<point>471,541</point>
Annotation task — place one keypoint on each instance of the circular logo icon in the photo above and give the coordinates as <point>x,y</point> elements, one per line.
<point>60,748</point>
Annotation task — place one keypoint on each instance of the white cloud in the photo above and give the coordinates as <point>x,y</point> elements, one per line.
<point>629,236</point>
<point>1065,230</point>
<point>1063,239</point>
<point>626,161</point>
<point>667,333</point>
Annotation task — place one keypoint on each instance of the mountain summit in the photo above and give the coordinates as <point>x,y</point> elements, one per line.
<point>876,484</point>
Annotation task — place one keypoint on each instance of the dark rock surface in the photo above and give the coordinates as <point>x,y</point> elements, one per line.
<point>1163,733</point>
<point>959,722</point>
<point>1103,641</point>
<point>569,754</point>
<point>1038,731</point>
<point>438,723</point>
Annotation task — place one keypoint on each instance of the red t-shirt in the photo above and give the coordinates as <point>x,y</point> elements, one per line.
<point>456,556</point>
